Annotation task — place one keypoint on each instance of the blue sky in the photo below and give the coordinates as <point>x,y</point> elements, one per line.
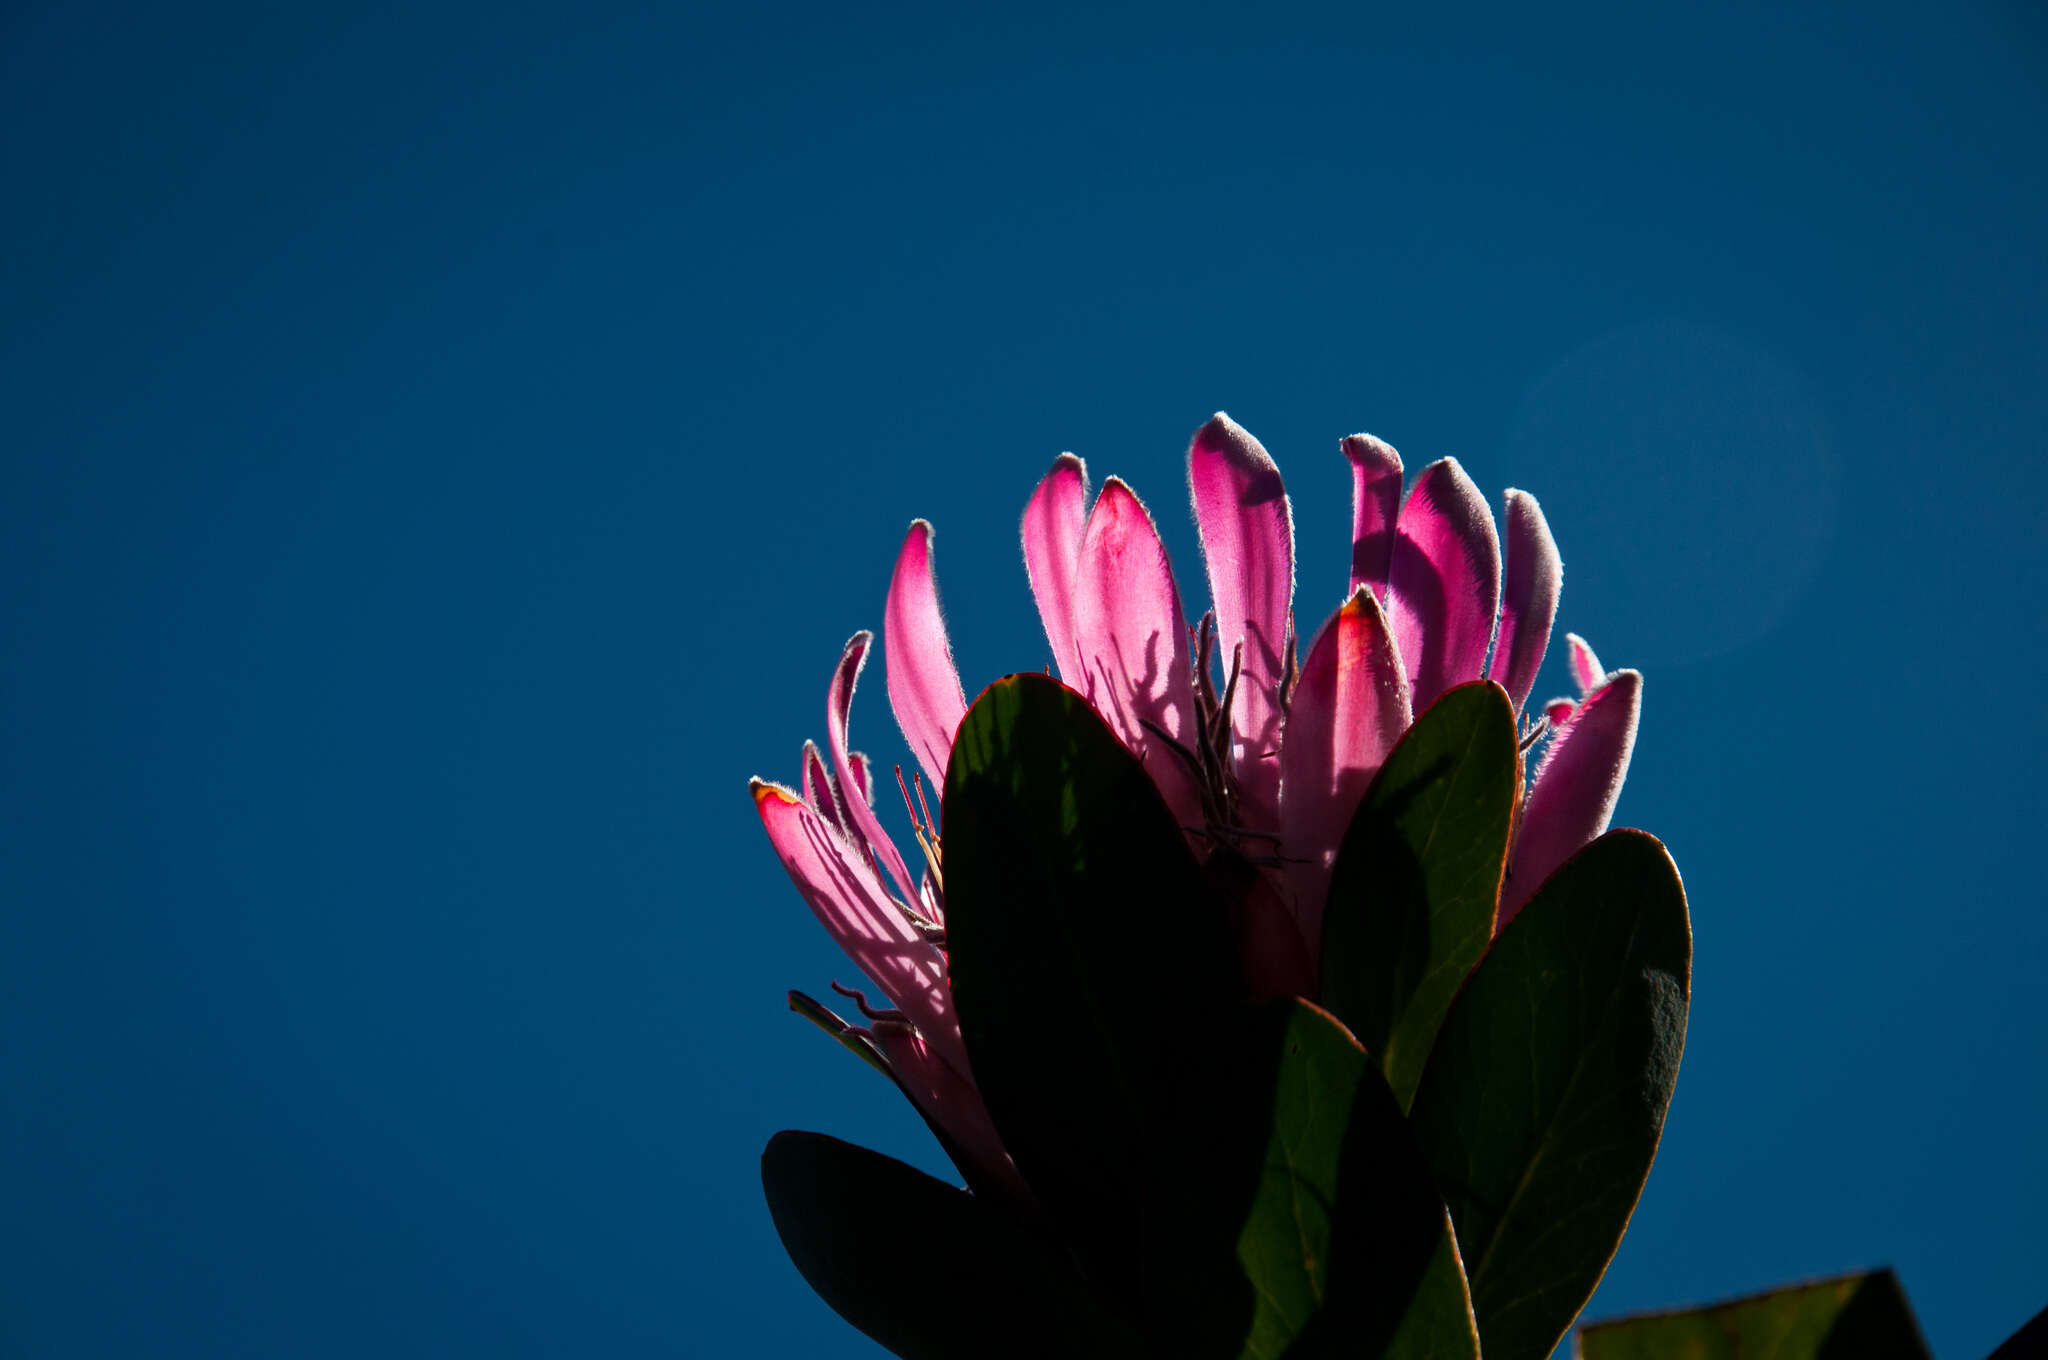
<point>446,447</point>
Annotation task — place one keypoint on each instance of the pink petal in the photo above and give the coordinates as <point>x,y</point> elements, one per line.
<point>1275,959</point>
<point>1247,533</point>
<point>1375,504</point>
<point>1528,604</point>
<point>924,687</point>
<point>862,776</point>
<point>1443,588</point>
<point>1053,524</point>
<point>1350,707</point>
<point>1575,789</point>
<point>1557,710</point>
<point>1586,671</point>
<point>1133,642</point>
<point>838,712</point>
<point>850,902</point>
<point>948,1098</point>
<point>819,791</point>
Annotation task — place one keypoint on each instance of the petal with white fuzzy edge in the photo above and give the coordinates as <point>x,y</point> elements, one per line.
<point>818,788</point>
<point>1375,506</point>
<point>1054,522</point>
<point>862,775</point>
<point>948,1098</point>
<point>1528,602</point>
<point>838,715</point>
<point>1443,587</point>
<point>924,685</point>
<point>1247,530</point>
<point>1576,787</point>
<point>1133,643</point>
<point>1586,671</point>
<point>1350,708</point>
<point>850,902</point>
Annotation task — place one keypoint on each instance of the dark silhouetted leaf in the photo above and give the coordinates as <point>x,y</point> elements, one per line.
<point>929,1271</point>
<point>1100,998</point>
<point>1545,1095</point>
<point>2028,1343</point>
<point>1855,1317</point>
<point>1418,876</point>
<point>1347,1243</point>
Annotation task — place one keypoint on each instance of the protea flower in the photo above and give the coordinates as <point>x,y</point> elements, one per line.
<point>1263,758</point>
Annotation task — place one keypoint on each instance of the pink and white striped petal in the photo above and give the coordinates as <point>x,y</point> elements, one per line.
<point>948,1097</point>
<point>1586,671</point>
<point>1528,605</point>
<point>1576,788</point>
<point>1350,707</point>
<point>1443,586</point>
<point>1247,531</point>
<point>838,715</point>
<point>1375,507</point>
<point>1054,521</point>
<point>850,902</point>
<point>924,685</point>
<point>1133,643</point>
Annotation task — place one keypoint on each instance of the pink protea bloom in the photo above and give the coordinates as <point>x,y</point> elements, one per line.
<point>1263,758</point>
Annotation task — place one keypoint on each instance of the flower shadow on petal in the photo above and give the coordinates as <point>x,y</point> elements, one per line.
<point>910,972</point>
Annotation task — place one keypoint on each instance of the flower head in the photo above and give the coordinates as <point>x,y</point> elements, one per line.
<point>1262,749</point>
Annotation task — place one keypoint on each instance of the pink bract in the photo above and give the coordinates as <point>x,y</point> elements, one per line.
<point>1429,606</point>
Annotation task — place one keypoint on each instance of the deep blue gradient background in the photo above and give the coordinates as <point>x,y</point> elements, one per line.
<point>446,448</point>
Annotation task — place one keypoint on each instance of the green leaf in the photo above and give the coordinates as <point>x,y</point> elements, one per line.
<point>926,1269</point>
<point>1544,1098</point>
<point>1347,1243</point>
<point>1099,994</point>
<point>1855,1317</point>
<point>1418,876</point>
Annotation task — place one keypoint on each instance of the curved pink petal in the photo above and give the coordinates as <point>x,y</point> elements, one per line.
<point>1558,710</point>
<point>819,790</point>
<point>1350,707</point>
<point>948,1098</point>
<point>862,775</point>
<point>1586,671</point>
<point>1054,521</point>
<point>1443,586</point>
<point>1133,643</point>
<point>924,686</point>
<point>850,902</point>
<point>1528,602</point>
<point>1375,505</point>
<point>838,713</point>
<point>1575,789</point>
<point>1247,531</point>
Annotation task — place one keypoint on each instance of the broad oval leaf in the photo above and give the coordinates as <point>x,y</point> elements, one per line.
<point>1347,1243</point>
<point>1418,876</point>
<point>1545,1095</point>
<point>1099,998</point>
<point>929,1271</point>
<point>1853,1317</point>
